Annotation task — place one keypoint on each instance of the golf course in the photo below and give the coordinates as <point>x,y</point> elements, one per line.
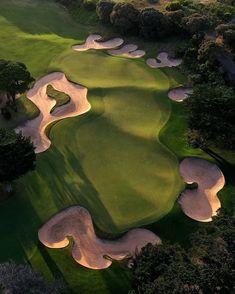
<point>119,159</point>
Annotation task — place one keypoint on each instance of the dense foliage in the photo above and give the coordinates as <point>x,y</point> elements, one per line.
<point>125,17</point>
<point>17,155</point>
<point>211,116</point>
<point>104,9</point>
<point>16,279</point>
<point>206,267</point>
<point>14,78</point>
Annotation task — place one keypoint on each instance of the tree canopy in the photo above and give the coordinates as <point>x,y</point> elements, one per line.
<point>24,279</point>
<point>153,23</point>
<point>210,112</point>
<point>104,9</point>
<point>206,267</point>
<point>125,17</point>
<point>14,78</point>
<point>17,155</point>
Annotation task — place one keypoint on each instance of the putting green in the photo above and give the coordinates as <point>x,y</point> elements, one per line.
<point>109,160</point>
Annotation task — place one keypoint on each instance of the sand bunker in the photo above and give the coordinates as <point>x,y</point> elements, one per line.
<point>91,43</point>
<point>89,250</point>
<point>129,51</point>
<point>202,203</point>
<point>180,94</point>
<point>78,104</point>
<point>163,60</point>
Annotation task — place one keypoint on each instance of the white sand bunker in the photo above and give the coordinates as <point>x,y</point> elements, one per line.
<point>78,104</point>
<point>129,51</point>
<point>89,250</point>
<point>163,60</point>
<point>91,43</point>
<point>202,203</point>
<point>180,94</point>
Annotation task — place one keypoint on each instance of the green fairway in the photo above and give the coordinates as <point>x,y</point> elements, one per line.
<point>119,160</point>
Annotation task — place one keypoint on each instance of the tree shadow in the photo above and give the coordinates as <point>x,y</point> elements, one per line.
<point>227,167</point>
<point>41,17</point>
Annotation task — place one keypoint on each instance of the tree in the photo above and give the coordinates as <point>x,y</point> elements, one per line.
<point>209,51</point>
<point>175,20</point>
<point>195,23</point>
<point>229,38</point>
<point>17,156</point>
<point>14,78</point>
<point>210,112</point>
<point>125,17</point>
<point>24,279</point>
<point>153,24</point>
<point>104,9</point>
<point>206,267</point>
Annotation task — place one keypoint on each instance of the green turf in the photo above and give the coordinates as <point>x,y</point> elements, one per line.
<point>60,97</point>
<point>109,160</point>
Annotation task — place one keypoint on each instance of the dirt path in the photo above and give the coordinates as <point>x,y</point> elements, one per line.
<point>89,250</point>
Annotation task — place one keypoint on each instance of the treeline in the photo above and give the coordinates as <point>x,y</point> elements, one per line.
<point>207,266</point>
<point>210,109</point>
<point>178,17</point>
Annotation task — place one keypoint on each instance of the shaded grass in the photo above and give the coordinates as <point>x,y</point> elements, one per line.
<point>60,97</point>
<point>96,160</point>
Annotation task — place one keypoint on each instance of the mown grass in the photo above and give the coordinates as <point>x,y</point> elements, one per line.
<point>109,160</point>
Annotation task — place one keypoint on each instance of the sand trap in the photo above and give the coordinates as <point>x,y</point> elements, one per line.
<point>91,43</point>
<point>202,203</point>
<point>163,60</point>
<point>89,250</point>
<point>180,94</point>
<point>129,51</point>
<point>78,104</point>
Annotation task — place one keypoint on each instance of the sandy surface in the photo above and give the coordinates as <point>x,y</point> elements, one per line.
<point>180,94</point>
<point>201,203</point>
<point>78,104</point>
<point>130,51</point>
<point>89,250</point>
<point>92,43</point>
<point>163,60</point>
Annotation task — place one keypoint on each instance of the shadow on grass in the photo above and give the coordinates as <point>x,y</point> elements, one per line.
<point>41,17</point>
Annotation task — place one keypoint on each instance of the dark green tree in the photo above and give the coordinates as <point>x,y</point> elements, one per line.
<point>14,78</point>
<point>24,279</point>
<point>153,24</point>
<point>104,9</point>
<point>125,17</point>
<point>206,267</point>
<point>17,156</point>
<point>195,23</point>
<point>210,111</point>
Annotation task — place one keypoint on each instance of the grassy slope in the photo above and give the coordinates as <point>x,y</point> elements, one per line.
<point>85,164</point>
<point>49,40</point>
